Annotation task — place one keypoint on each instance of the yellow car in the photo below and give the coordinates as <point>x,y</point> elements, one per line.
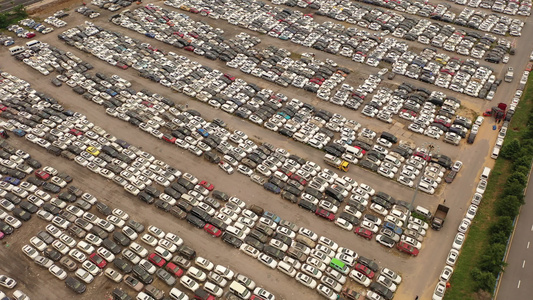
<point>93,151</point>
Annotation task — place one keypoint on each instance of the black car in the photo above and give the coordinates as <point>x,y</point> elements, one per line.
<point>152,191</point>
<point>28,207</point>
<point>231,240</point>
<point>162,205</point>
<point>54,210</point>
<point>135,225</point>
<point>52,254</point>
<point>187,252</point>
<point>45,237</point>
<point>274,252</point>
<point>218,223</point>
<point>372,265</point>
<point>65,176</point>
<point>35,181</point>
<point>82,204</point>
<point>289,196</point>
<point>350,218</point>
<point>122,265</point>
<point>103,208</point>
<point>111,246</point>
<point>368,165</point>
<point>381,290</point>
<point>12,198</point>
<point>6,228</point>
<point>307,205</point>
<point>75,285</point>
<point>450,177</point>
<point>96,230</point>
<point>121,239</point>
<point>195,221</point>
<point>52,188</point>
<point>145,197</point>
<point>142,275</point>
<point>119,294</point>
<point>66,196</point>
<point>254,243</point>
<point>220,195</point>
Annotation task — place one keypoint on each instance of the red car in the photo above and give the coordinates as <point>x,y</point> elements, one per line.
<point>367,234</point>
<point>29,35</point>
<point>299,179</point>
<point>228,76</point>
<point>189,48</point>
<point>207,185</point>
<point>365,270</point>
<point>422,155</point>
<point>168,138</point>
<point>98,260</point>
<point>75,132</point>
<point>406,248</point>
<point>42,174</point>
<point>325,214</point>
<point>361,149</point>
<point>172,268</point>
<point>212,230</point>
<point>156,260</point>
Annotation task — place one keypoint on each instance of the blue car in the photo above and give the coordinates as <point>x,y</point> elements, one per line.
<point>19,132</point>
<point>11,180</point>
<point>203,132</point>
<point>393,227</point>
<point>270,215</point>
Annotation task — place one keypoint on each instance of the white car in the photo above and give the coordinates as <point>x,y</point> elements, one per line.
<point>204,263</point>
<point>440,289</point>
<point>58,272</point>
<point>457,166</point>
<point>267,260</point>
<point>342,223</point>
<point>370,226</point>
<point>446,273</point>
<point>387,282</point>
<point>465,224</point>
<point>453,255</point>
<point>360,278</point>
<point>471,212</point>
<point>189,283</point>
<point>411,241</point>
<point>458,241</point>
<point>397,279</point>
<point>306,280</point>
<point>326,292</point>
<point>416,221</point>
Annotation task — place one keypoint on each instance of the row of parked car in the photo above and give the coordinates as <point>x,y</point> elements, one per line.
<point>422,30</point>
<point>90,149</point>
<point>391,51</point>
<point>442,12</point>
<point>281,122</point>
<point>521,8</point>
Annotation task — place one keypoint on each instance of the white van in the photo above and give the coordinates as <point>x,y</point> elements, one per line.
<point>485,174</point>
<point>33,43</point>
<point>354,151</point>
<point>423,211</point>
<point>393,160</point>
<point>239,290</point>
<point>286,268</point>
<point>16,50</point>
<point>495,153</point>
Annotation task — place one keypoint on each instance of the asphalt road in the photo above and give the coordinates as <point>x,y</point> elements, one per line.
<point>8,4</point>
<point>515,283</point>
<point>420,273</point>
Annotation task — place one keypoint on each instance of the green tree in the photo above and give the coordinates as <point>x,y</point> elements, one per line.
<point>518,177</point>
<point>491,259</point>
<point>522,169</point>
<point>522,161</point>
<point>514,188</point>
<point>498,238</point>
<point>510,150</point>
<point>508,206</point>
<point>504,224</point>
<point>483,280</point>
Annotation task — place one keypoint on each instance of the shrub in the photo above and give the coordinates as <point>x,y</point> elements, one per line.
<point>518,177</point>
<point>491,259</point>
<point>508,206</point>
<point>510,150</point>
<point>483,280</point>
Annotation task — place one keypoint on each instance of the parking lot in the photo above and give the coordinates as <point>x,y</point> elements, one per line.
<point>358,78</point>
